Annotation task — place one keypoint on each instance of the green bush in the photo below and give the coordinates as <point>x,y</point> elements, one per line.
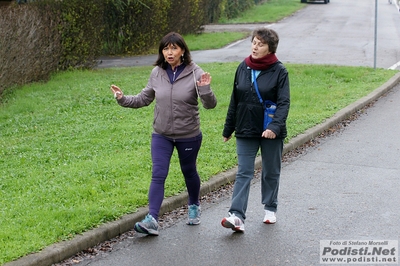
<point>133,27</point>
<point>81,32</point>
<point>136,28</point>
<point>235,7</point>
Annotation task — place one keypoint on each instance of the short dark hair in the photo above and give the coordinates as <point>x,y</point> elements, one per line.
<point>268,36</point>
<point>175,39</point>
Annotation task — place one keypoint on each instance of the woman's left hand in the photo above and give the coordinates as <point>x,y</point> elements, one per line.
<point>268,134</point>
<point>117,92</point>
<point>204,80</point>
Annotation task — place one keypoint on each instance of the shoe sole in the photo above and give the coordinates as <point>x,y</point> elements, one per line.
<point>225,223</point>
<point>269,222</point>
<point>193,222</point>
<point>144,230</point>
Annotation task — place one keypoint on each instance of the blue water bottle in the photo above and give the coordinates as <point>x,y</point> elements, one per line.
<point>269,112</point>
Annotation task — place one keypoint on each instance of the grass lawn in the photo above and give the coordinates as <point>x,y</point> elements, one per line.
<point>268,12</point>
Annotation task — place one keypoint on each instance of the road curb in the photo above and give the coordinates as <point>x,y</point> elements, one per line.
<point>66,249</point>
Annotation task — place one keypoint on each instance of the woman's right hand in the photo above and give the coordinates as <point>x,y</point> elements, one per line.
<point>117,92</point>
<point>226,139</point>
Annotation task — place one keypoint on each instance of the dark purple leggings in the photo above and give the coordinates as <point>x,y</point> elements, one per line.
<point>161,152</point>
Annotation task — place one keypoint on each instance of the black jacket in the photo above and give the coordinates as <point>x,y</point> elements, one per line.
<point>245,113</point>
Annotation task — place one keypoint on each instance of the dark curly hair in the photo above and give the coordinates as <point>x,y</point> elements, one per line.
<point>175,39</point>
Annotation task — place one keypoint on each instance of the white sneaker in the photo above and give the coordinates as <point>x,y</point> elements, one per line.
<point>233,222</point>
<point>270,217</point>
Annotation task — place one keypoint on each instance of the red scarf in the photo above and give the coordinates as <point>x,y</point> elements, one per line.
<point>261,63</point>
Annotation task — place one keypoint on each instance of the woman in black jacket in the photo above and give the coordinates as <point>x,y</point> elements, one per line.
<point>261,84</point>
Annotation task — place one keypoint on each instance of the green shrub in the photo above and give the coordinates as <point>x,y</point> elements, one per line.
<point>81,32</point>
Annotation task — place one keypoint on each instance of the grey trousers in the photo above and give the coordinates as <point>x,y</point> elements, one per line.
<point>271,155</point>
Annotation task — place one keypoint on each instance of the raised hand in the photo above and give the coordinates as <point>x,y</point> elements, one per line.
<point>117,92</point>
<point>204,80</point>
